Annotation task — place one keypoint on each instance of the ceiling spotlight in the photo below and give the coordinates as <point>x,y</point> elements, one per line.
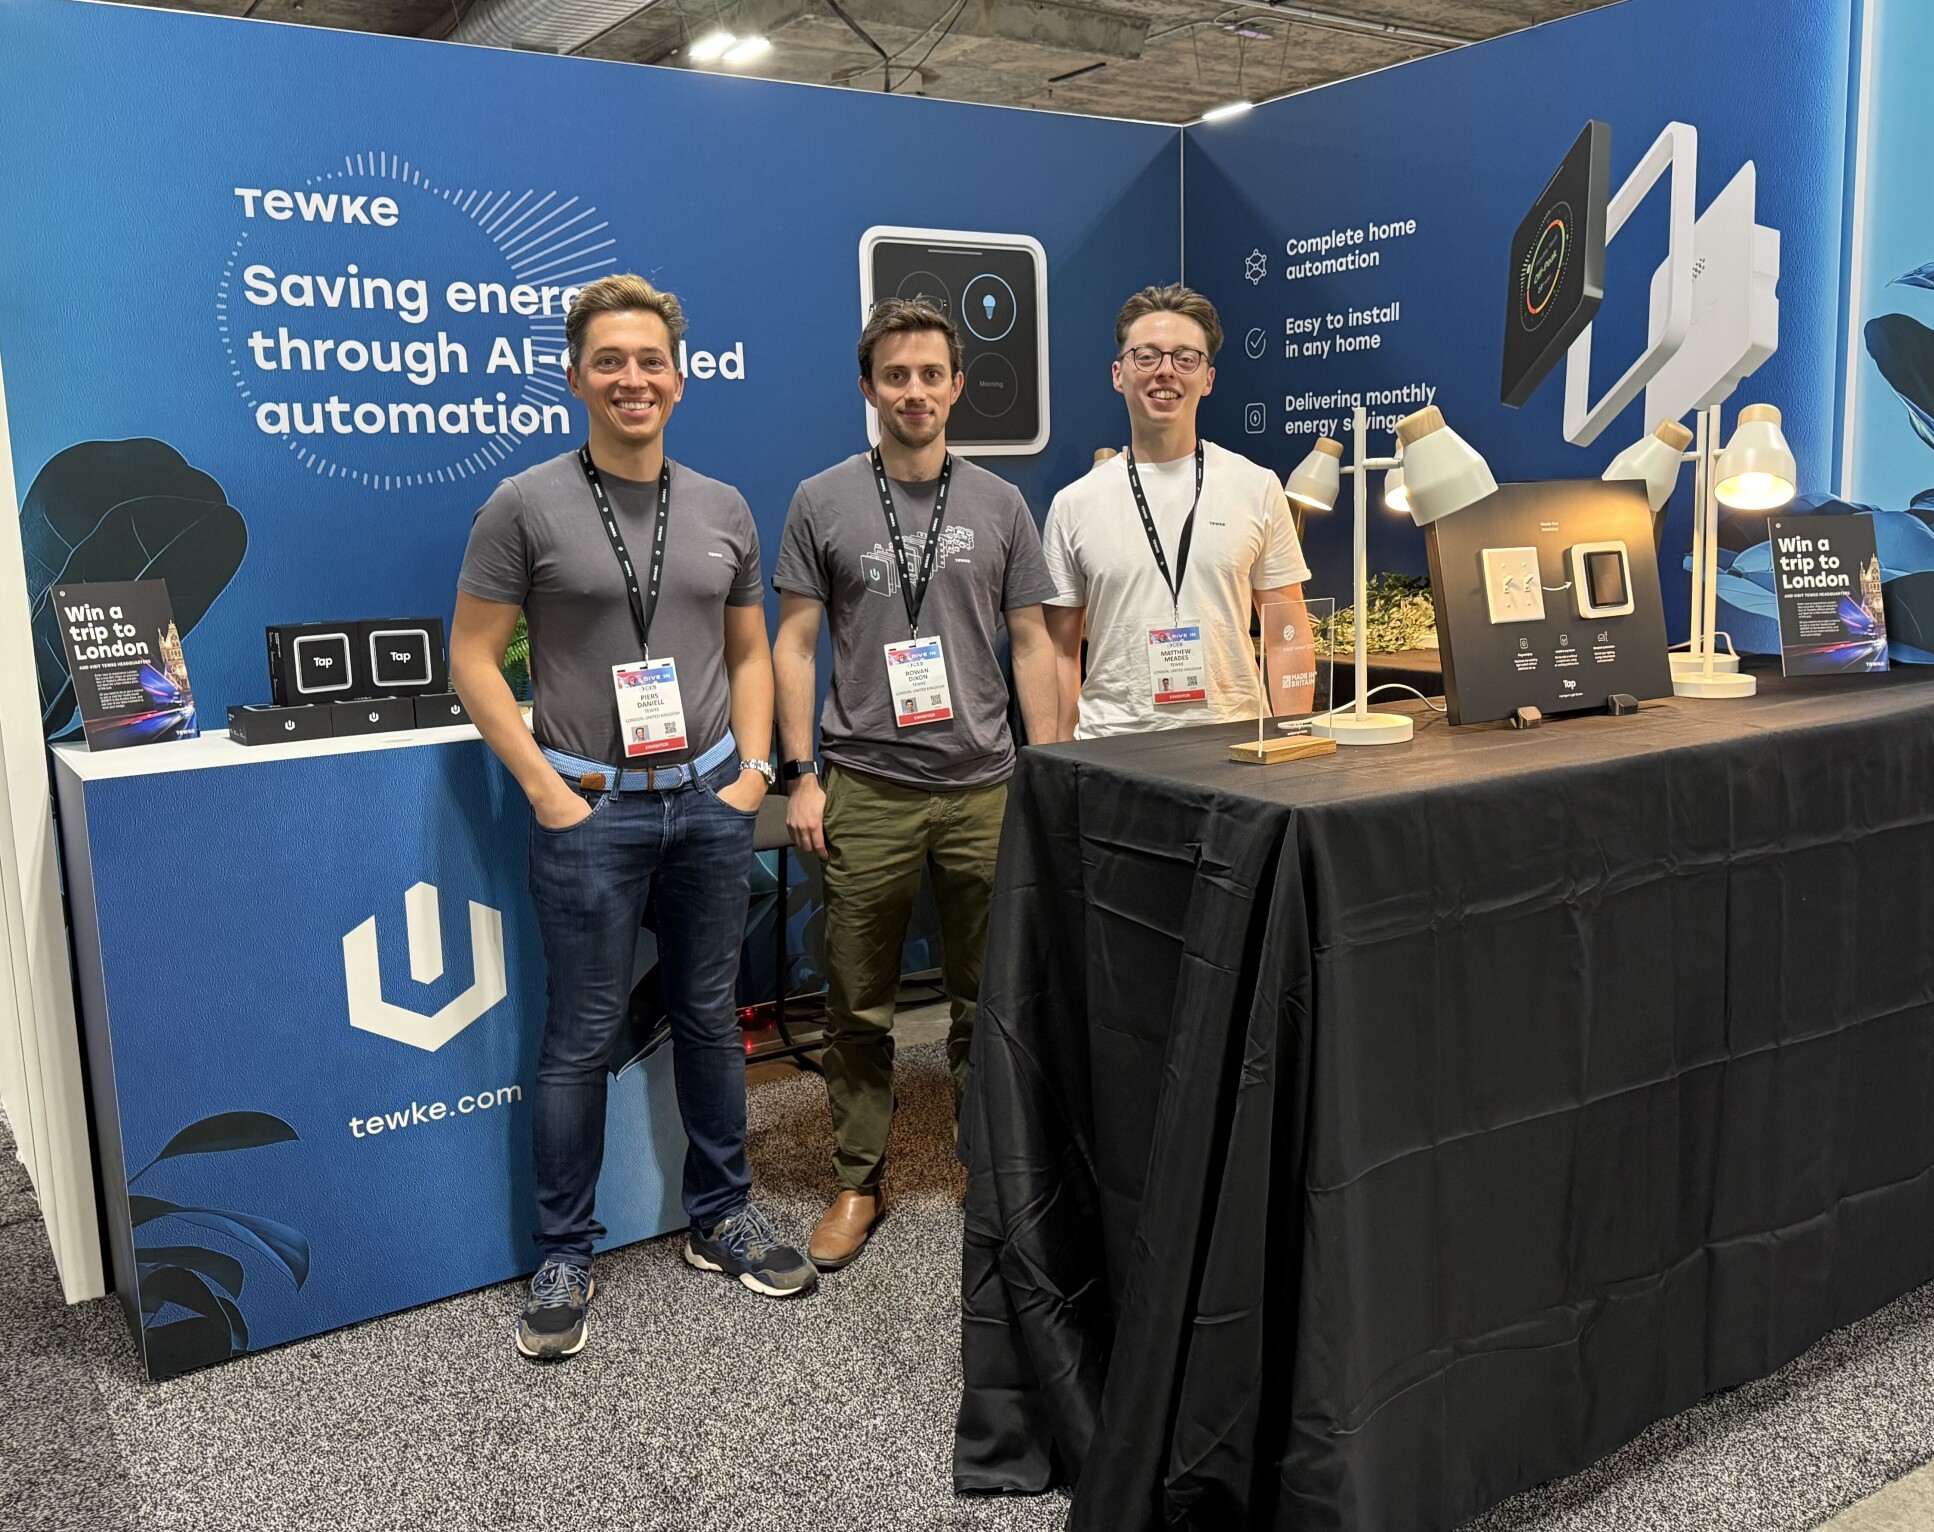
<point>747,49</point>
<point>1224,113</point>
<point>711,46</point>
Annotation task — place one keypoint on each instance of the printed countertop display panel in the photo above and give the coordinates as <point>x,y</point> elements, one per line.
<point>313,992</point>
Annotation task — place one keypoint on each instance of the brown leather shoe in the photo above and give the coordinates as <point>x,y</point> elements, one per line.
<point>842,1233</point>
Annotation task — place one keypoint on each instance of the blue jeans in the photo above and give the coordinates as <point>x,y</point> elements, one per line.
<point>590,883</point>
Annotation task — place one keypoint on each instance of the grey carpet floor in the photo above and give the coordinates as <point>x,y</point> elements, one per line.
<point>698,1406</point>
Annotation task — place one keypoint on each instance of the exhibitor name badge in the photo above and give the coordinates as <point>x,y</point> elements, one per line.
<point>651,714</point>
<point>1826,581</point>
<point>124,655</point>
<point>1176,672</point>
<point>916,678</point>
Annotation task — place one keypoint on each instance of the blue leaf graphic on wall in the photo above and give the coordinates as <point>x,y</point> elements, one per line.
<point>189,1313</point>
<point>1755,564</point>
<point>1903,350</point>
<point>128,510</point>
<point>1920,276</point>
<point>1905,545</point>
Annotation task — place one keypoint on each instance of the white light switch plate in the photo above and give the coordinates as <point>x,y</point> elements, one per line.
<point>1512,586</point>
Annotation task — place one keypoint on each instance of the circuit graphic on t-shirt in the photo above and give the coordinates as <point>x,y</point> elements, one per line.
<point>881,570</point>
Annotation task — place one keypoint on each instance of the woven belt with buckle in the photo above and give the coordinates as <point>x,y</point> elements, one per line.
<point>597,777</point>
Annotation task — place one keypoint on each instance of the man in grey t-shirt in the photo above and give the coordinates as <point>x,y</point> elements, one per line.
<point>538,544</point>
<point>645,764</point>
<point>918,558</point>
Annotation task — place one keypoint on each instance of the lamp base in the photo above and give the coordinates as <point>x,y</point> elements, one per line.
<point>1724,664</point>
<point>1363,729</point>
<point>1716,685</point>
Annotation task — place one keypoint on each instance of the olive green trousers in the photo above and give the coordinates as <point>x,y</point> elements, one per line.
<point>880,837</point>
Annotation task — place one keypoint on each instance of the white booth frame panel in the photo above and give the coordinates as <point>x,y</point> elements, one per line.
<point>41,1083</point>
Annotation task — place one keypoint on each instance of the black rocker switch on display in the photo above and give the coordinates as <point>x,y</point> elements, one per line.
<point>1526,718</point>
<point>1621,704</point>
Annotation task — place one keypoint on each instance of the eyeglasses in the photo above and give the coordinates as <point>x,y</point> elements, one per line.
<point>1186,359</point>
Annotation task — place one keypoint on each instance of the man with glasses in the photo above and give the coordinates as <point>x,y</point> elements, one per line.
<point>1160,552</point>
<point>919,559</point>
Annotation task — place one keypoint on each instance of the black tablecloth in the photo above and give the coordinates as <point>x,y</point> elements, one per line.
<point>1357,1141</point>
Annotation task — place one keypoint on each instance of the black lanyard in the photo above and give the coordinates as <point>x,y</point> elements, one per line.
<point>1154,539</point>
<point>644,608</point>
<point>915,596</point>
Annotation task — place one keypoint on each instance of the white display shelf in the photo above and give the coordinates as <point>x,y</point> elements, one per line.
<point>219,750</point>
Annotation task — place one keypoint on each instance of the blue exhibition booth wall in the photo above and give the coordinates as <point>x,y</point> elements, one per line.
<point>1426,170</point>
<point>133,259</point>
<point>189,205</point>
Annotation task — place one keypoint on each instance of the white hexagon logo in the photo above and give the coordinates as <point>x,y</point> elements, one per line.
<point>362,973</point>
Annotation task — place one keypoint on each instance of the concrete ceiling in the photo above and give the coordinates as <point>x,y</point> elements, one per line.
<point>1158,60</point>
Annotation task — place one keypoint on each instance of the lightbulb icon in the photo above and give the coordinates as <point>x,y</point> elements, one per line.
<point>987,303</point>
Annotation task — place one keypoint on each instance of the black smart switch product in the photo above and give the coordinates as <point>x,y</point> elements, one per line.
<point>1601,579</point>
<point>333,661</point>
<point>312,662</point>
<point>1557,265</point>
<point>404,656</point>
<point>440,710</point>
<point>373,715</point>
<point>264,723</point>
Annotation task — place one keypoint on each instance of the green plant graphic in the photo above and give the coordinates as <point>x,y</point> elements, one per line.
<point>517,660</point>
<point>203,1281</point>
<point>1400,616</point>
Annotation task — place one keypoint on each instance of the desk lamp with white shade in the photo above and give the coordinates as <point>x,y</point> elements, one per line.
<point>1755,471</point>
<point>1436,473</point>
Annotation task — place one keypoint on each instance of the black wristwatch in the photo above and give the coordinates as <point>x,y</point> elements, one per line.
<point>792,771</point>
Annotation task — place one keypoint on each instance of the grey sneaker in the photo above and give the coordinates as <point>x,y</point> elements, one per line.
<point>745,1246</point>
<point>552,1324</point>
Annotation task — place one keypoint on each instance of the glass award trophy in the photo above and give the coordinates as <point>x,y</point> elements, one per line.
<point>1296,654</point>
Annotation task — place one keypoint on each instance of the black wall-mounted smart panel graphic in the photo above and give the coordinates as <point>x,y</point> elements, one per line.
<point>1557,275</point>
<point>992,287</point>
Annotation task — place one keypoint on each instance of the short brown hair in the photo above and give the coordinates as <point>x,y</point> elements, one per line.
<point>624,293</point>
<point>1173,299</point>
<point>898,316</point>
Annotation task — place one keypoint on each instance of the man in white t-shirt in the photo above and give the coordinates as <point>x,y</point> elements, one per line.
<point>1159,552</point>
